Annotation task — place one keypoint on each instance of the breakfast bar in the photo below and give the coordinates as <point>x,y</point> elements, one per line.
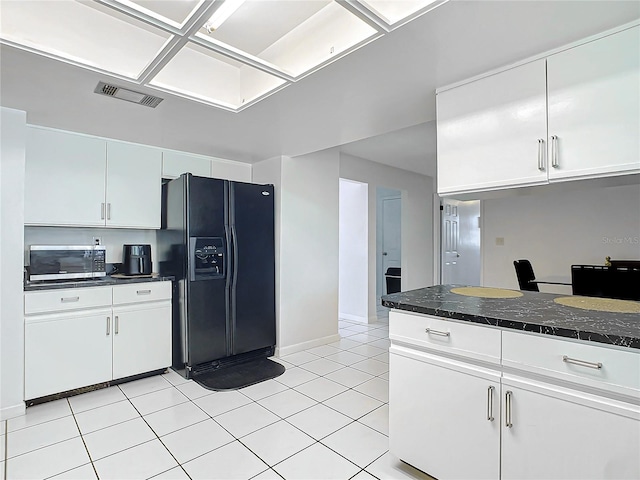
<point>496,383</point>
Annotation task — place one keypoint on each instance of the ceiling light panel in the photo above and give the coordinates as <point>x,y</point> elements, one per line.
<point>295,36</point>
<point>173,12</point>
<point>84,33</point>
<point>201,74</point>
<point>394,11</point>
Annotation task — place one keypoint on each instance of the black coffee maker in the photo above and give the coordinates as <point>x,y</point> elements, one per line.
<point>136,259</point>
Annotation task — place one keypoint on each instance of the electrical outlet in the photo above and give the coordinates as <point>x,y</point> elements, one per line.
<point>97,240</point>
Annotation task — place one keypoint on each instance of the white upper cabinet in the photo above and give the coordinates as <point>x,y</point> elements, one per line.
<point>230,170</point>
<point>572,115</point>
<point>78,180</point>
<point>64,179</point>
<point>490,131</point>
<point>594,107</point>
<point>133,186</point>
<point>175,164</point>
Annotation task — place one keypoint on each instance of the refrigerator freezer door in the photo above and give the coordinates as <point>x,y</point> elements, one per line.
<point>207,305</point>
<point>251,219</point>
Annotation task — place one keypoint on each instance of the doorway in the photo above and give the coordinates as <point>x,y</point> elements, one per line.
<point>460,242</point>
<point>353,251</point>
<point>388,235</point>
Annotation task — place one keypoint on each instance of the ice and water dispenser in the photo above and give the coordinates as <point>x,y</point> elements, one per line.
<point>207,257</point>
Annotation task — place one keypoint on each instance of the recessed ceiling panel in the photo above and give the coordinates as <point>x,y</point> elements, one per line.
<point>393,11</point>
<point>202,74</point>
<point>173,12</point>
<point>295,36</point>
<point>86,33</point>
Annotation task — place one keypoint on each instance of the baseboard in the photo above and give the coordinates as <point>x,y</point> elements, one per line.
<point>298,347</point>
<point>13,411</point>
<point>373,319</point>
<point>353,318</point>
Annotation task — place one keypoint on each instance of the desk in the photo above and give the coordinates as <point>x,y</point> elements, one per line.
<point>553,280</point>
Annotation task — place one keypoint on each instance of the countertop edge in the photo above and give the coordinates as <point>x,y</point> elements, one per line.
<point>106,282</point>
<point>608,339</point>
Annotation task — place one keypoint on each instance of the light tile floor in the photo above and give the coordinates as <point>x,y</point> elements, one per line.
<point>326,417</point>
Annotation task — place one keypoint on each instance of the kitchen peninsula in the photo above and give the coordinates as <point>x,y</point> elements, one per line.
<point>493,383</point>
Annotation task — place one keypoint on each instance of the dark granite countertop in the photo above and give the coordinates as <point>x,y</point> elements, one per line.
<point>533,312</point>
<point>98,282</point>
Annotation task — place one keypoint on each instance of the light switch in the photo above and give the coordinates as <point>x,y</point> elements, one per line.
<point>500,241</point>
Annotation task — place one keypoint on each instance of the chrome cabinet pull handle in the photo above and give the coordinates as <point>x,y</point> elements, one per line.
<point>582,363</point>
<point>69,299</point>
<point>437,332</point>
<point>490,403</point>
<point>102,211</point>
<point>541,154</point>
<point>109,211</point>
<point>143,292</point>
<point>108,326</point>
<point>507,416</point>
<point>117,324</point>
<point>555,163</point>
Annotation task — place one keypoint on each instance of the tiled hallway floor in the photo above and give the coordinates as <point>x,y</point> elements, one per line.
<point>326,417</point>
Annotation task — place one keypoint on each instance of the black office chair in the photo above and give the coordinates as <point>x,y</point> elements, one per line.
<point>524,272</point>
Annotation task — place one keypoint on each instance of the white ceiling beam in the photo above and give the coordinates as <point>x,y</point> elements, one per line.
<point>173,46</point>
<point>366,15</point>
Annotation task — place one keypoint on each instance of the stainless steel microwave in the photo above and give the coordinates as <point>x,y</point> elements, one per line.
<point>61,262</point>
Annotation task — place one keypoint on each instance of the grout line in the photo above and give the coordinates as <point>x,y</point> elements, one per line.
<point>158,437</point>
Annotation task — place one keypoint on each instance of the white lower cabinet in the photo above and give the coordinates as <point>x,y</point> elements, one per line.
<point>65,351</point>
<point>90,340</point>
<point>445,416</point>
<point>544,415</point>
<point>141,339</point>
<point>558,433</point>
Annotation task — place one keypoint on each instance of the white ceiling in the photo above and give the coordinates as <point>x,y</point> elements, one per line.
<point>386,86</point>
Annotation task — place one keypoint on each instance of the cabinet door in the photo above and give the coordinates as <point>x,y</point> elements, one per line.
<point>175,164</point>
<point>141,339</point>
<point>133,185</point>
<point>594,107</point>
<point>489,131</point>
<point>66,351</point>
<point>230,170</point>
<point>562,434</point>
<point>64,179</point>
<point>440,417</point>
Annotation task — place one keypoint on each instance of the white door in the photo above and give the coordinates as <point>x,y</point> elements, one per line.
<point>391,234</point>
<point>64,179</point>
<point>490,131</point>
<point>460,242</point>
<point>141,339</point>
<point>594,107</point>
<point>134,184</point>
<point>444,417</point>
<point>66,351</point>
<point>562,434</point>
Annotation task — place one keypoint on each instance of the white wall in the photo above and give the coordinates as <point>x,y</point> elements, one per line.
<point>309,250</point>
<point>307,210</point>
<point>12,154</point>
<point>556,230</point>
<point>417,224</point>
<point>353,255</point>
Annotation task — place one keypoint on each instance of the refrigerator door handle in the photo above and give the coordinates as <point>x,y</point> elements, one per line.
<point>234,281</point>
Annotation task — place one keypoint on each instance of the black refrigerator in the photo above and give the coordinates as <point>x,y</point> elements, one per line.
<point>217,239</point>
